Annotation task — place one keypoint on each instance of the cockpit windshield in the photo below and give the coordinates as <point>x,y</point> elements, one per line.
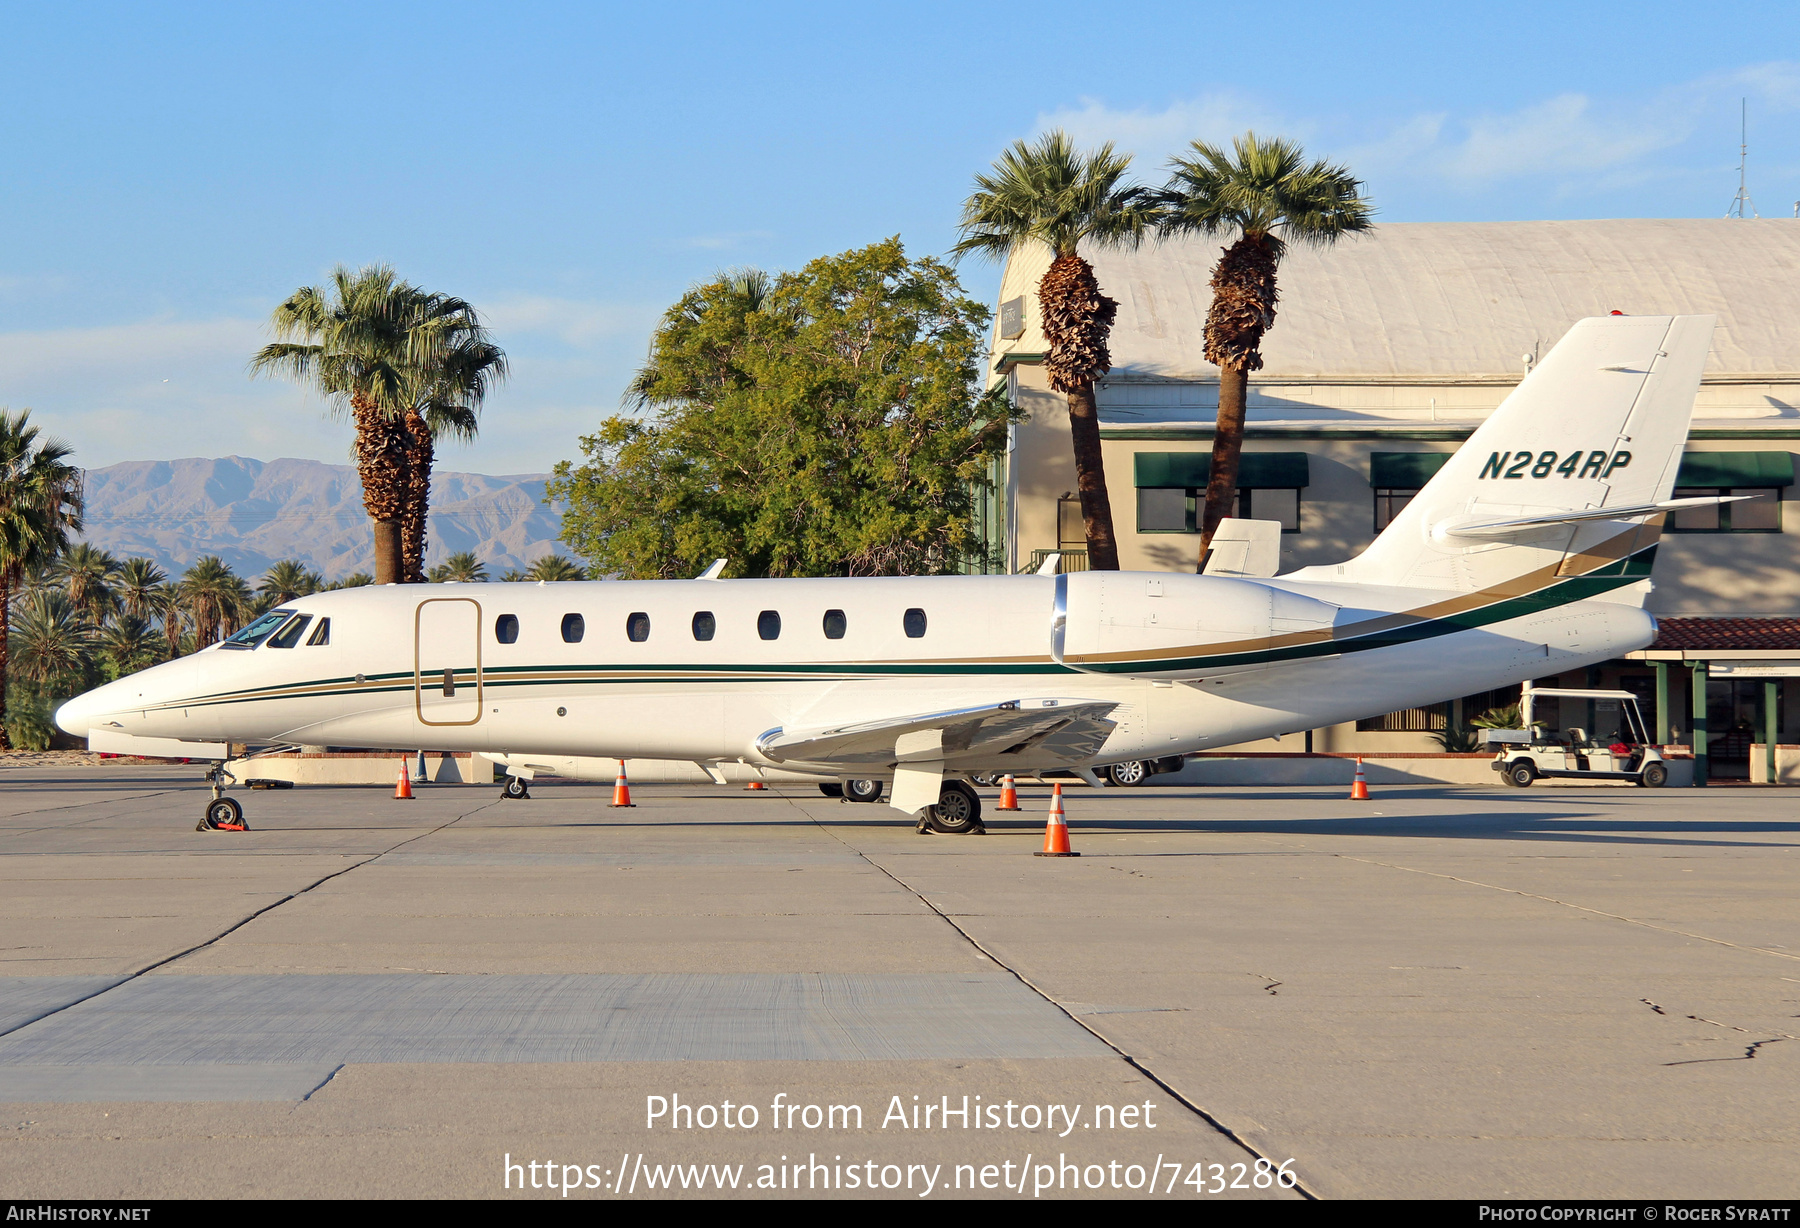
<point>259,630</point>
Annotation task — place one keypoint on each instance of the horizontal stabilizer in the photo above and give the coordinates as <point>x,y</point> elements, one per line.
<point>1525,524</point>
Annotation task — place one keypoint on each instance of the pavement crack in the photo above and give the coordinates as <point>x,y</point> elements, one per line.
<point>1595,912</point>
<point>1127,1058</point>
<point>238,925</point>
<point>1653,1006</point>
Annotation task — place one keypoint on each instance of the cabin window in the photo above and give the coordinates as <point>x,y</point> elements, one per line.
<point>768,625</point>
<point>506,629</point>
<point>290,635</point>
<point>259,630</point>
<point>637,627</point>
<point>914,622</point>
<point>705,625</point>
<point>835,624</point>
<point>574,626</point>
<point>321,636</point>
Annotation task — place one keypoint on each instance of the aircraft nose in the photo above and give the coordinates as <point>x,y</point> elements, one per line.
<point>75,716</point>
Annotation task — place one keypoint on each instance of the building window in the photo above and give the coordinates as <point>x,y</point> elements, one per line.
<point>1760,513</point>
<point>506,629</point>
<point>835,624</point>
<point>914,622</point>
<point>1388,502</point>
<point>637,627</point>
<point>1166,509</point>
<point>768,625</point>
<point>574,626</point>
<point>1430,719</point>
<point>704,625</point>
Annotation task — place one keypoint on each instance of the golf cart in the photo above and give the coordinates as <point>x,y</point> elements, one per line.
<point>1623,754</point>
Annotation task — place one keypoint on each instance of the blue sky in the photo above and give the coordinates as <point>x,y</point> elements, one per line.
<point>168,174</point>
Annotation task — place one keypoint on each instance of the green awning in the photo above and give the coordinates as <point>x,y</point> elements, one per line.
<point>1736,469</point>
<point>1404,470</point>
<point>1256,470</point>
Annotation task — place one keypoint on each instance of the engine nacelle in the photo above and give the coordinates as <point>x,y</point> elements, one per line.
<point>1176,626</point>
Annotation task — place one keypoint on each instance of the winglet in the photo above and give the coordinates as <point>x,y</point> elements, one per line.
<point>1048,567</point>
<point>714,570</point>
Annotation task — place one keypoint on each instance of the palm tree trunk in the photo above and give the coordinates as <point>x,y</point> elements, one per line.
<point>1228,446</point>
<point>5,656</point>
<point>381,464</point>
<point>419,458</point>
<point>1090,480</point>
<point>1077,321</point>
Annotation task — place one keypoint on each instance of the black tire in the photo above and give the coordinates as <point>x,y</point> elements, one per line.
<point>863,790</point>
<point>1654,776</point>
<point>958,810</point>
<point>1521,774</point>
<point>830,789</point>
<point>516,789</point>
<point>1130,774</point>
<point>986,780</point>
<point>222,812</point>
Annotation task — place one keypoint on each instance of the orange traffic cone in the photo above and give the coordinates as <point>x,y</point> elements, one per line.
<point>403,790</point>
<point>756,784</point>
<point>622,790</point>
<point>1009,796</point>
<point>1359,788</point>
<point>1056,831</point>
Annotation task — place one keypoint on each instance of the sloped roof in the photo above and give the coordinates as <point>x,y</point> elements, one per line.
<point>1750,634</point>
<point>1454,299</point>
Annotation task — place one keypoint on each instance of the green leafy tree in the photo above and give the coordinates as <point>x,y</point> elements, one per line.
<point>1053,194</point>
<point>128,644</point>
<point>825,422</point>
<point>138,585</point>
<point>1267,195</point>
<point>216,599</point>
<point>90,577</point>
<point>53,642</point>
<point>462,567</point>
<point>40,506</point>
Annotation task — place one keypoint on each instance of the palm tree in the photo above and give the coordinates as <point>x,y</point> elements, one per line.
<point>464,568</point>
<point>213,596</point>
<point>1054,194</point>
<point>1268,196</point>
<point>514,576</point>
<point>130,644</point>
<point>40,505</point>
<point>170,606</point>
<point>88,573</point>
<point>387,351</point>
<point>54,640</point>
<point>458,365</point>
<point>139,580</point>
<point>356,579</point>
<point>287,580</point>
<point>554,567</point>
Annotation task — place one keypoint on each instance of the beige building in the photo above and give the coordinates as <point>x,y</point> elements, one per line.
<point>1388,350</point>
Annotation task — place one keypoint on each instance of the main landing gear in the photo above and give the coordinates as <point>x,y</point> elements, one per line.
<point>957,813</point>
<point>222,813</point>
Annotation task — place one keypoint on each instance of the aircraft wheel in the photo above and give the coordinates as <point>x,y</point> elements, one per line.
<point>958,810</point>
<point>862,790</point>
<point>831,789</point>
<point>1130,773</point>
<point>986,780</point>
<point>516,789</point>
<point>1521,774</point>
<point>1654,776</point>
<point>223,812</point>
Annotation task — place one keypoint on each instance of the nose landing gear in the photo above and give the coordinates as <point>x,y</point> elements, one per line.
<point>222,813</point>
<point>515,789</point>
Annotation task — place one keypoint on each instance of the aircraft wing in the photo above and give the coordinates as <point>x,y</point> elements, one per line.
<point>1035,732</point>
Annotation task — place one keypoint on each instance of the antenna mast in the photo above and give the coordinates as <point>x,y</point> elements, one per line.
<point>1741,205</point>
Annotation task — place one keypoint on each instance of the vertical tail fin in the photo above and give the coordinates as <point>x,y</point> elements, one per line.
<point>1599,423</point>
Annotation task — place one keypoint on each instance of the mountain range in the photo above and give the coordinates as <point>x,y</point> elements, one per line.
<point>253,513</point>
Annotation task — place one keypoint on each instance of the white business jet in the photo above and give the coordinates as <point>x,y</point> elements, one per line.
<point>1528,554</point>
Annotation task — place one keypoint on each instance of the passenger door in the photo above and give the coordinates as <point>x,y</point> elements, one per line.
<point>447,661</point>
